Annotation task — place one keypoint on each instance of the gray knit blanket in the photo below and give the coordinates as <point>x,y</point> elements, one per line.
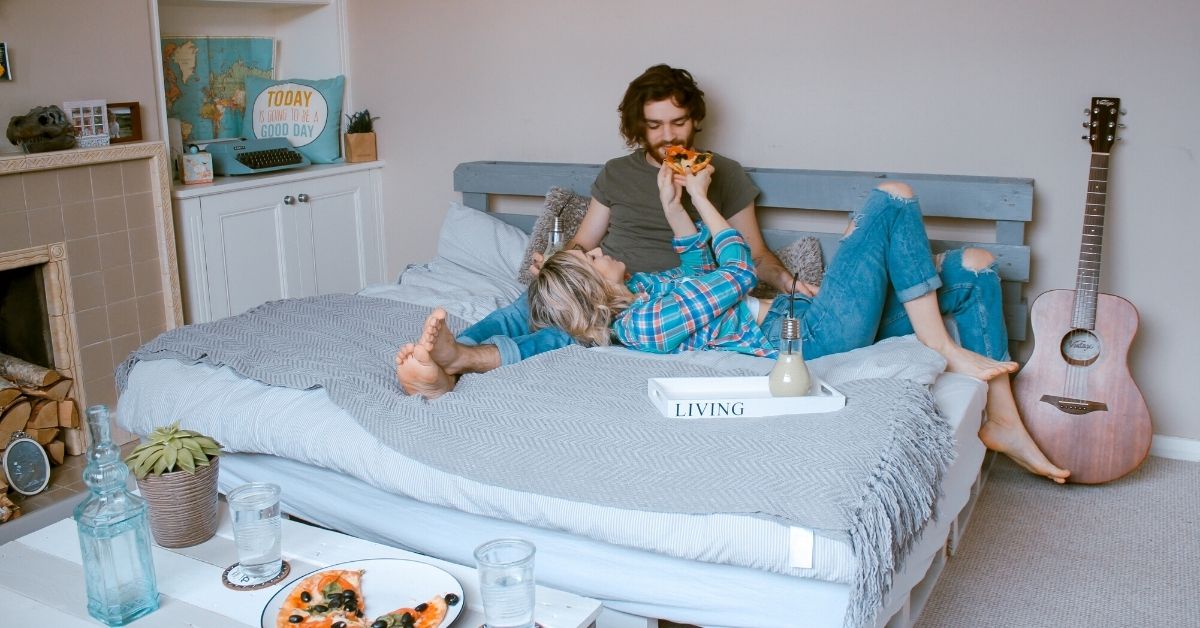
<point>577,424</point>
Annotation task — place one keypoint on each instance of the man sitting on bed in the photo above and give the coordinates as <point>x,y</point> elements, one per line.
<point>662,107</point>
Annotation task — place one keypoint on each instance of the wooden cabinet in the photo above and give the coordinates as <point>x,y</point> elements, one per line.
<point>250,239</point>
<point>247,240</point>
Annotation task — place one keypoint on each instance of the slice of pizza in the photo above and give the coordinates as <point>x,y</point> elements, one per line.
<point>326,599</point>
<point>427,615</point>
<point>684,160</point>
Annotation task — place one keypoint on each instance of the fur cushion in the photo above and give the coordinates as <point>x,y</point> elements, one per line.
<point>570,208</point>
<point>802,256</point>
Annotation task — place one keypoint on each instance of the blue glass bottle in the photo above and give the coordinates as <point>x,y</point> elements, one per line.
<point>114,533</point>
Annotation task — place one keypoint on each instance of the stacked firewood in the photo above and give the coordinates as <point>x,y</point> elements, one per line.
<point>38,401</point>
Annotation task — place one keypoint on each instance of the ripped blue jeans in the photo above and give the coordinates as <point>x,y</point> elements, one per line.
<point>885,262</point>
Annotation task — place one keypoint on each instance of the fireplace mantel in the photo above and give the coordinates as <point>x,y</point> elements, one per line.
<point>110,184</point>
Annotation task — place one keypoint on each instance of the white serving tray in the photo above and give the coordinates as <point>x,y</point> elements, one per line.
<point>735,397</point>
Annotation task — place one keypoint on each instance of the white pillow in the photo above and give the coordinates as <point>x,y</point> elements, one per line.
<point>480,243</point>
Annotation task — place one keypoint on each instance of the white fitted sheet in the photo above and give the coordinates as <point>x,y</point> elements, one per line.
<point>629,580</point>
<point>305,425</point>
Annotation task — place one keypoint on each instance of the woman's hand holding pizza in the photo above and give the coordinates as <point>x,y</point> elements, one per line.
<point>670,189</point>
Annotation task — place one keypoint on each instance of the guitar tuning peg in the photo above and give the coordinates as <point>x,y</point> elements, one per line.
<point>1085,125</point>
<point>1120,125</point>
<point>1086,111</point>
<point>1083,137</point>
<point>1123,112</point>
<point>1119,138</point>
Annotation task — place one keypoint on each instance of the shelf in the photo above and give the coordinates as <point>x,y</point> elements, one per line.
<point>246,182</point>
<point>249,3</point>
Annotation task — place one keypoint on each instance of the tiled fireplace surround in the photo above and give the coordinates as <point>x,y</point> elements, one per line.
<point>110,208</point>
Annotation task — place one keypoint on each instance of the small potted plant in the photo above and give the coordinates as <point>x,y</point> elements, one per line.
<point>176,471</point>
<point>360,136</point>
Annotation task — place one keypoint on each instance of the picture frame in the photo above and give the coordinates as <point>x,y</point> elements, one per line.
<point>124,122</point>
<point>90,118</point>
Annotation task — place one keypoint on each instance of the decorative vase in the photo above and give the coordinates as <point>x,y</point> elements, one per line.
<point>183,506</point>
<point>360,147</point>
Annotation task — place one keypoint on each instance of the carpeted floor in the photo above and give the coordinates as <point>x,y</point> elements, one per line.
<point>1038,555</point>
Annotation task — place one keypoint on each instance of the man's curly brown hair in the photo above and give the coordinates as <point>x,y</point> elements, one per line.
<point>658,82</point>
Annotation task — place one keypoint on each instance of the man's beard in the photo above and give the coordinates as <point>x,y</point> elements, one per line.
<point>657,150</point>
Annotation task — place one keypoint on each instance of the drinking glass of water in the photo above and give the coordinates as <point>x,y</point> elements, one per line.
<point>506,582</point>
<point>257,530</point>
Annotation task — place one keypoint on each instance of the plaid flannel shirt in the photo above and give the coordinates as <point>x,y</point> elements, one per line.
<point>698,305</point>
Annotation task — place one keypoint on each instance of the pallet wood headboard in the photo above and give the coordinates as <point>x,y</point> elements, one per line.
<point>1005,203</point>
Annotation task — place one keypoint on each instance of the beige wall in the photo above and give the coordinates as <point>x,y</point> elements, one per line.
<point>950,87</point>
<point>981,88</point>
<point>78,50</point>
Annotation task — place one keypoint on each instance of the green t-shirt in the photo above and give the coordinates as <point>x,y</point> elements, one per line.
<point>638,233</point>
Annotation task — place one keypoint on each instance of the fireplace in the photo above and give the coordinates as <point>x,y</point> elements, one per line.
<point>36,308</point>
<point>87,237</point>
<point>24,321</point>
<point>39,352</point>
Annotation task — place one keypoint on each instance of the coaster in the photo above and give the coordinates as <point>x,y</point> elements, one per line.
<point>234,578</point>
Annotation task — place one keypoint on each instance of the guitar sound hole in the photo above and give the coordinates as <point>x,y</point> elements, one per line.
<point>1080,347</point>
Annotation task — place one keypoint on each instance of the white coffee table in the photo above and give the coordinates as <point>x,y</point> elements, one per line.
<point>41,580</point>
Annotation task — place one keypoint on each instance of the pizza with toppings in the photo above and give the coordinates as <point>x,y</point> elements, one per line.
<point>334,599</point>
<point>326,599</point>
<point>684,160</point>
<point>427,615</point>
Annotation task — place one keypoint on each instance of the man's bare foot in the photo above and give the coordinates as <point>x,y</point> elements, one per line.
<point>1017,445</point>
<point>966,362</point>
<point>1004,432</point>
<point>418,374</point>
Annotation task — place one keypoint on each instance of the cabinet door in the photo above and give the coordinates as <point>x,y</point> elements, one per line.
<point>247,259</point>
<point>338,231</point>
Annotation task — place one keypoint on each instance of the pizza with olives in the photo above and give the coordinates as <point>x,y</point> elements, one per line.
<point>334,599</point>
<point>684,160</point>
<point>427,615</point>
<point>326,599</point>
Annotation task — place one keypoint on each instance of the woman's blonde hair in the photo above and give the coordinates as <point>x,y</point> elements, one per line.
<point>569,294</point>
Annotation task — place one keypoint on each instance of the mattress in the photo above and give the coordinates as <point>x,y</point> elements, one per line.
<point>624,578</point>
<point>247,416</point>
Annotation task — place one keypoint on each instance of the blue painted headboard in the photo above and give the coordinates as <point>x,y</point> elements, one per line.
<point>1003,203</point>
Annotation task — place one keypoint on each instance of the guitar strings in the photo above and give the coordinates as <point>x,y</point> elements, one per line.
<point>1087,288</point>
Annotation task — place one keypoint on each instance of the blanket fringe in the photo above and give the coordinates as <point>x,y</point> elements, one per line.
<point>904,490</point>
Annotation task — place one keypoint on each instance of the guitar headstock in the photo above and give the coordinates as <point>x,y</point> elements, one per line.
<point>1102,123</point>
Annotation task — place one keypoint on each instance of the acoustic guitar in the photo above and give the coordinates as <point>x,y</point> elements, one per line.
<point>1076,395</point>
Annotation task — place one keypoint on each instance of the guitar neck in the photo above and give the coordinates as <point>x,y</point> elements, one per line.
<point>1087,279</point>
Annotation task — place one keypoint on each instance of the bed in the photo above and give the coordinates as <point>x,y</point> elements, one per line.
<point>722,568</point>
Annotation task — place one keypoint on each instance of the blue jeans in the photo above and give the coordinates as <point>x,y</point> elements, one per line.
<point>885,262</point>
<point>509,329</point>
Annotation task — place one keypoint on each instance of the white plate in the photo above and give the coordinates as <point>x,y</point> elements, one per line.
<point>387,584</point>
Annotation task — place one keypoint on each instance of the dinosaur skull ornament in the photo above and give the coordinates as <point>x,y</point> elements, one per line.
<point>42,129</point>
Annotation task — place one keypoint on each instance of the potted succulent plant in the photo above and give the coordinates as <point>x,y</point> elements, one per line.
<point>176,471</point>
<point>360,136</point>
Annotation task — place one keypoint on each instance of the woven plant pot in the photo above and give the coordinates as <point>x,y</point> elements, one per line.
<point>183,506</point>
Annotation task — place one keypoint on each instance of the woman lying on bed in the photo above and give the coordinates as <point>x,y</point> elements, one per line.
<point>883,282</point>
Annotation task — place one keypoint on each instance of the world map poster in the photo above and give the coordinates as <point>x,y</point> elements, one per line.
<point>205,81</point>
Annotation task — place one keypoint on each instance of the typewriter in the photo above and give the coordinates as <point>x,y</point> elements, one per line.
<point>241,155</point>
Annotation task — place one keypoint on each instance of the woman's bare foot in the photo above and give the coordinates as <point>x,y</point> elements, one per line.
<point>418,374</point>
<point>443,348</point>
<point>966,362</point>
<point>1004,432</point>
<point>453,356</point>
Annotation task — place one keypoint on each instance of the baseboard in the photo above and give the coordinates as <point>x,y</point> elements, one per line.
<point>1175,447</point>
